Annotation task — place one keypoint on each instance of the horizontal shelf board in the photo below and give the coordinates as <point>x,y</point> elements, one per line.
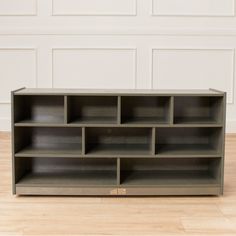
<point>52,120</point>
<point>188,156</point>
<point>66,191</point>
<point>167,178</point>
<point>69,179</point>
<point>145,120</point>
<point>62,150</point>
<point>126,92</point>
<point>195,120</point>
<point>198,125</point>
<point>133,125</point>
<point>94,121</point>
<point>171,190</point>
<point>119,149</point>
<point>185,149</point>
<point>19,155</point>
<point>40,124</point>
<point>112,190</point>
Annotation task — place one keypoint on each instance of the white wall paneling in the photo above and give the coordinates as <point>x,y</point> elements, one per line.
<point>140,44</point>
<point>18,7</point>
<point>94,67</point>
<point>18,69</point>
<point>5,111</point>
<point>194,68</point>
<point>193,7</point>
<point>94,7</point>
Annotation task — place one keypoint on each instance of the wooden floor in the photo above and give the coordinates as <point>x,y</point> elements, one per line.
<point>117,216</point>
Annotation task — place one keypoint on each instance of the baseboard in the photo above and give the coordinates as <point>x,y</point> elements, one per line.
<point>231,126</point>
<point>5,125</point>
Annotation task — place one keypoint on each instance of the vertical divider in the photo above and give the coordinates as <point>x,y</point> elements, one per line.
<point>223,142</point>
<point>153,144</point>
<point>65,109</point>
<point>13,141</point>
<point>13,104</point>
<point>119,110</point>
<point>83,141</point>
<point>118,171</point>
<point>172,101</point>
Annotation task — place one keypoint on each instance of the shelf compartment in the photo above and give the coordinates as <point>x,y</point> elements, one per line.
<point>43,141</point>
<point>39,109</point>
<point>170,172</point>
<point>65,172</point>
<point>118,141</point>
<point>198,110</point>
<point>92,109</point>
<point>189,141</point>
<point>145,110</point>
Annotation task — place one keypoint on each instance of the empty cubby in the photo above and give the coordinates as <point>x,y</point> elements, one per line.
<point>65,172</point>
<point>39,109</point>
<point>145,110</point>
<point>48,141</point>
<point>189,141</point>
<point>170,172</point>
<point>198,110</point>
<point>92,109</point>
<point>118,141</point>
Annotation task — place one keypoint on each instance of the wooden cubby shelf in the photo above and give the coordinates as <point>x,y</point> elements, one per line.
<point>198,110</point>
<point>118,142</point>
<point>145,110</point>
<point>92,109</point>
<point>188,141</point>
<point>39,110</point>
<point>44,141</point>
<point>68,172</point>
<point>170,172</point>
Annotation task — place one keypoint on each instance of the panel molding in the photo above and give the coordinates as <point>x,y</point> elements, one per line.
<point>232,50</point>
<point>5,124</point>
<point>35,50</point>
<point>35,13</point>
<point>152,13</point>
<point>95,14</point>
<point>214,32</point>
<point>134,49</point>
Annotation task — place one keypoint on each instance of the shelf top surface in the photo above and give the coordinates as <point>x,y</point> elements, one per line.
<point>48,91</point>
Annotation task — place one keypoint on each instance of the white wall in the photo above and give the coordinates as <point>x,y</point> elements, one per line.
<point>117,44</point>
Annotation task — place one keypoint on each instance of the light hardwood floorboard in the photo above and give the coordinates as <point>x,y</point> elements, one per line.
<point>99,216</point>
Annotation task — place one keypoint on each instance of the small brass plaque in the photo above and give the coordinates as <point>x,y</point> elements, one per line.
<point>121,191</point>
<point>113,192</point>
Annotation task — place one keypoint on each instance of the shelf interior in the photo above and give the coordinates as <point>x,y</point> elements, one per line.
<point>198,110</point>
<point>45,140</point>
<point>118,141</point>
<point>145,110</point>
<point>167,172</point>
<point>189,141</point>
<point>92,109</point>
<point>66,172</point>
<point>39,109</point>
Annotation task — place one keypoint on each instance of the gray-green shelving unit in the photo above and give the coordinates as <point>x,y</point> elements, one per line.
<point>118,142</point>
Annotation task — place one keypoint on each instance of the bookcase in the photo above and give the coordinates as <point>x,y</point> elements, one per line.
<point>118,142</point>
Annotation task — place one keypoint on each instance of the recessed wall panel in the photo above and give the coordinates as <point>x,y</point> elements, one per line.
<point>94,7</point>
<point>194,69</point>
<point>94,68</point>
<point>18,7</point>
<point>17,69</point>
<point>193,7</point>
